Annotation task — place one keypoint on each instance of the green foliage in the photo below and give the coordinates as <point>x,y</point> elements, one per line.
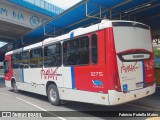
<point>157,52</point>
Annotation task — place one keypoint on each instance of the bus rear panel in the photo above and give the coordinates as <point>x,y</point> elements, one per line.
<point>134,59</point>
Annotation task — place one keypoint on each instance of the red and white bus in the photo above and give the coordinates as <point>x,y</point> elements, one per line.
<point>108,63</point>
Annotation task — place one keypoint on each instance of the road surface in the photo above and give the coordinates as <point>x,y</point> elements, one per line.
<point>25,101</point>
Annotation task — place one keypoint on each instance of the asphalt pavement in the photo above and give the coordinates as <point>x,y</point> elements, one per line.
<point>25,101</point>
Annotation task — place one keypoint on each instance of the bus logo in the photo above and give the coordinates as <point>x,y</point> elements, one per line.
<point>129,68</point>
<point>97,82</point>
<point>50,74</point>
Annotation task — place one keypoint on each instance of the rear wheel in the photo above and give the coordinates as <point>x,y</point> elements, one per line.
<point>15,88</point>
<point>53,95</point>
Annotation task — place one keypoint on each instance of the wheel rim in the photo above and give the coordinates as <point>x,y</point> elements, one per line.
<point>53,94</point>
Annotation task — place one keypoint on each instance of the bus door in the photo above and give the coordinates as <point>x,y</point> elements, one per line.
<point>17,66</point>
<point>134,53</point>
<point>52,70</point>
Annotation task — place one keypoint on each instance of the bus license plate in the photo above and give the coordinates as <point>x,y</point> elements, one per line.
<point>139,84</point>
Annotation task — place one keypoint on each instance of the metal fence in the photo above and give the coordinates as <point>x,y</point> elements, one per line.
<point>45,5</point>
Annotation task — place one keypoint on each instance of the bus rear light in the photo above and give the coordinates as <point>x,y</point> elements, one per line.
<point>117,83</point>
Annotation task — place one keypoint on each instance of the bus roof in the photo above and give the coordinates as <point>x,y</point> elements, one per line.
<point>76,32</point>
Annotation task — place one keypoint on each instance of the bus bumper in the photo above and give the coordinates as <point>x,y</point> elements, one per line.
<point>8,83</point>
<point>116,98</point>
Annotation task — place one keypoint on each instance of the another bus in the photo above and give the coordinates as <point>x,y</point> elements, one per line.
<point>108,63</point>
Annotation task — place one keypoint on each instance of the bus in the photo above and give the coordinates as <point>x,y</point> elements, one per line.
<point>109,63</point>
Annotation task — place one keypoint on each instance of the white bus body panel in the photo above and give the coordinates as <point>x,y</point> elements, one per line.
<point>131,38</point>
<point>116,98</point>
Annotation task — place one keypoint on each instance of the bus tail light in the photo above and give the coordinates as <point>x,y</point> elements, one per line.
<point>117,82</point>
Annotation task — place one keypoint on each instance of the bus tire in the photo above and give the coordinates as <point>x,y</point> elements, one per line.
<point>53,95</point>
<point>15,88</point>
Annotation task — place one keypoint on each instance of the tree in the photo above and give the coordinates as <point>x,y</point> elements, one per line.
<point>157,52</point>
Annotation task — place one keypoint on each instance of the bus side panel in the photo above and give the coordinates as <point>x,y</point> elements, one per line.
<point>93,77</point>
<point>9,75</point>
<point>111,63</point>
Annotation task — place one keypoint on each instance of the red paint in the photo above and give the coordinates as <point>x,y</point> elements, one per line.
<point>149,69</point>
<point>106,70</point>
<point>8,76</point>
<point>131,51</point>
<point>84,75</point>
<point>129,68</point>
<point>111,60</point>
<point>50,74</point>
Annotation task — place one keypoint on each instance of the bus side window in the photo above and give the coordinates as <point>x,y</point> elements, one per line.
<point>83,51</point>
<point>16,60</point>
<point>25,59</point>
<point>36,59</point>
<point>94,49</point>
<point>52,55</point>
<point>76,52</point>
<point>70,52</point>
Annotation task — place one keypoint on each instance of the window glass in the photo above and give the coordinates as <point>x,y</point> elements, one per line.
<point>6,66</point>
<point>94,49</point>
<point>36,59</point>
<point>52,55</point>
<point>25,59</point>
<point>76,52</point>
<point>16,60</point>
